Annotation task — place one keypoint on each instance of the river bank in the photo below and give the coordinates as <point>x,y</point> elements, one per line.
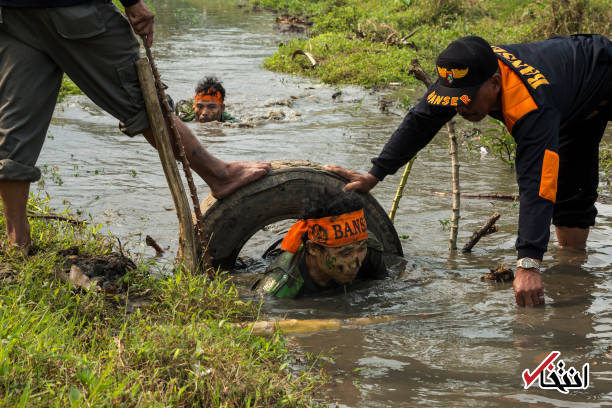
<point>371,43</point>
<point>64,346</point>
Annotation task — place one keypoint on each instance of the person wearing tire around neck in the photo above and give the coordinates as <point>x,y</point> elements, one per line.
<point>325,252</point>
<point>555,98</point>
<point>95,46</point>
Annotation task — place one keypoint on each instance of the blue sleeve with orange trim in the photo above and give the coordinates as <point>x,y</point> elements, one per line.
<point>537,167</point>
<point>416,130</point>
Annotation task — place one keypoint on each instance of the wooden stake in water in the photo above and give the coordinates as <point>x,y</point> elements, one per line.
<point>421,75</point>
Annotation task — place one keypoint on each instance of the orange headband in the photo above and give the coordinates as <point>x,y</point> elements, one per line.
<point>332,231</point>
<point>213,96</point>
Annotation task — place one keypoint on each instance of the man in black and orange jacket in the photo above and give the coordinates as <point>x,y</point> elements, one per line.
<point>555,98</point>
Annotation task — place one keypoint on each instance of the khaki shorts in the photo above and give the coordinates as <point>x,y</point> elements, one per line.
<point>93,44</point>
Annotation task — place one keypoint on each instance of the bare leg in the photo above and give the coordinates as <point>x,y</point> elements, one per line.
<point>14,195</point>
<point>223,178</point>
<point>572,237</point>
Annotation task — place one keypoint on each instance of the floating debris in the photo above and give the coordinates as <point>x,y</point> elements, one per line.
<point>503,273</point>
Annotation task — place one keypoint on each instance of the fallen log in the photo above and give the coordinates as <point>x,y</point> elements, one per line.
<point>486,229</point>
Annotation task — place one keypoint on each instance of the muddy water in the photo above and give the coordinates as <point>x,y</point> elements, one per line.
<point>465,342</point>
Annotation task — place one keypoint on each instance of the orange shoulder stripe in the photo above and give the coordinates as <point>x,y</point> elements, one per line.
<point>515,99</point>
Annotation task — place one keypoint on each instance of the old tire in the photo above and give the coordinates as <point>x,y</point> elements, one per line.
<point>230,222</point>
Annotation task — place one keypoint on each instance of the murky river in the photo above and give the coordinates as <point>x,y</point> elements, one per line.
<point>466,343</point>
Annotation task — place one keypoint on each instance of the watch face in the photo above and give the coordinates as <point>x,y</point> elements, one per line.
<point>527,263</point>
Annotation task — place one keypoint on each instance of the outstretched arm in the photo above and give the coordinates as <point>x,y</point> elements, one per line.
<point>416,130</point>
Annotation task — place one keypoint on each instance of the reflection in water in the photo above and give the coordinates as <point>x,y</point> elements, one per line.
<point>473,351</point>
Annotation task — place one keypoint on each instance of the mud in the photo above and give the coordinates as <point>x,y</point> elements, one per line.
<point>102,272</point>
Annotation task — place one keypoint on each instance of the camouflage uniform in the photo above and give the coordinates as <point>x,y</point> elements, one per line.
<point>288,277</point>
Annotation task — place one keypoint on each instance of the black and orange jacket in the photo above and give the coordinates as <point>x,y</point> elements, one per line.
<point>545,86</point>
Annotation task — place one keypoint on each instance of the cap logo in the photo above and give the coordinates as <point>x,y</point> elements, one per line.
<point>450,74</point>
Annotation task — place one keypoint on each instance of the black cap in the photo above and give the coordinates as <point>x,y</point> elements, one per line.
<point>462,69</point>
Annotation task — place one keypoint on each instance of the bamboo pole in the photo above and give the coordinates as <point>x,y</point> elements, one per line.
<point>400,189</point>
<point>188,246</point>
<point>293,326</point>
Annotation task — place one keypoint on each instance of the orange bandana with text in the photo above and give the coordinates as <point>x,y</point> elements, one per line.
<point>210,95</point>
<point>334,231</point>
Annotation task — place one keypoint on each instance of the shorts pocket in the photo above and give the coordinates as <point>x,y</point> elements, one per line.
<point>128,77</point>
<point>77,22</point>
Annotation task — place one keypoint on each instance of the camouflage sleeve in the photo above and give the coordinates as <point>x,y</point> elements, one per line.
<point>279,280</point>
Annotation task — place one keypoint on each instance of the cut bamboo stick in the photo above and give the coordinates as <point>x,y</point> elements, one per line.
<point>400,189</point>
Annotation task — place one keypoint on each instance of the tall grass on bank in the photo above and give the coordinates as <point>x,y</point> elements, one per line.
<point>62,347</point>
<point>358,41</point>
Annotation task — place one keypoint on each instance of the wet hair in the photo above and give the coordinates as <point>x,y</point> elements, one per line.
<point>327,206</point>
<point>210,83</point>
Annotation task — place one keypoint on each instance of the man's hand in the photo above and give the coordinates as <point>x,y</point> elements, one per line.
<point>141,19</point>
<point>357,181</point>
<point>528,288</point>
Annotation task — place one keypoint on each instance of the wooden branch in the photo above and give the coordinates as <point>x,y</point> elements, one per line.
<point>486,229</point>
<point>51,216</point>
<point>454,229</point>
<point>492,196</point>
<point>188,247</point>
<point>308,55</point>
<point>153,244</point>
<point>400,189</point>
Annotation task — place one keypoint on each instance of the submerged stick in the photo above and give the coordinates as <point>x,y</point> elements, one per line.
<point>400,189</point>
<point>153,244</point>
<point>492,196</point>
<point>293,326</point>
<point>486,229</point>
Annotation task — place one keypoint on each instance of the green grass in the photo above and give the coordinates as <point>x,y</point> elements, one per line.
<point>353,40</point>
<point>63,347</point>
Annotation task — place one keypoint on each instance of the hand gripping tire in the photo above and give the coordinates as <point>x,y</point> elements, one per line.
<point>230,222</point>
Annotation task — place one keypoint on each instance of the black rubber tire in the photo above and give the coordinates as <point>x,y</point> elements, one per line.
<point>229,223</point>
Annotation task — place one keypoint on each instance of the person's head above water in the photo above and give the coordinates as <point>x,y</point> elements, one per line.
<point>208,104</point>
<point>468,79</point>
<point>334,234</point>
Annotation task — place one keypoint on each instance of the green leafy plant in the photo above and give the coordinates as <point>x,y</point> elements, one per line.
<point>500,142</point>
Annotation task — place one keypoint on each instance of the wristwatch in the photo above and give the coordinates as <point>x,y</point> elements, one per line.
<point>527,263</point>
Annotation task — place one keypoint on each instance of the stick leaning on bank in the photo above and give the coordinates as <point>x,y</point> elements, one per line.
<point>189,243</point>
